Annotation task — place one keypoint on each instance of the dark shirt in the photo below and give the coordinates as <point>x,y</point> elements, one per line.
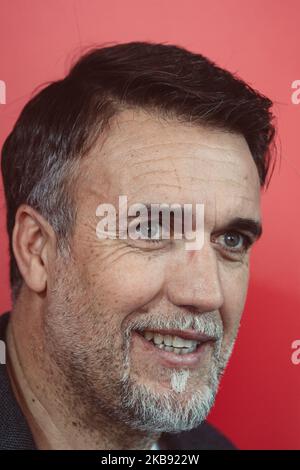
<point>15,433</point>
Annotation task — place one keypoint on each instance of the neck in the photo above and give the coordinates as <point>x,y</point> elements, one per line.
<point>47,402</point>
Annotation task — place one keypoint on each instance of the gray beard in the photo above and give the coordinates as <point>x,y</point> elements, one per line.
<point>143,409</point>
<point>135,404</point>
<point>162,412</point>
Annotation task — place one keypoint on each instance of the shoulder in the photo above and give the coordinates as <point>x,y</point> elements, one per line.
<point>14,432</point>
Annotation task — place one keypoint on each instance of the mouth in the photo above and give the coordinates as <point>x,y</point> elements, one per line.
<point>175,347</point>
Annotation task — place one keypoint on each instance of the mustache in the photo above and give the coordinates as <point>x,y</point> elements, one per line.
<point>209,323</point>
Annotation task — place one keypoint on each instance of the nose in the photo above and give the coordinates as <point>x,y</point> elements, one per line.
<point>194,280</point>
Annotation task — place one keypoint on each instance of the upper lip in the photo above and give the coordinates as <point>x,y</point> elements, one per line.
<point>185,334</point>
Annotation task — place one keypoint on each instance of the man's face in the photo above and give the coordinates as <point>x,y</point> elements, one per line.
<point>112,288</point>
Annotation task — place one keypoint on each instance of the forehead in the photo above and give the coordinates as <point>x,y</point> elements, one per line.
<point>151,159</point>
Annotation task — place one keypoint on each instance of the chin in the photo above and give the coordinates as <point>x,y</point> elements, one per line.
<point>160,409</point>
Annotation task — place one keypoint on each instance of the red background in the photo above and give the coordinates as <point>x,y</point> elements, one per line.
<point>258,405</point>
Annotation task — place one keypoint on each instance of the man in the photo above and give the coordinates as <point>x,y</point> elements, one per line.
<point>120,342</point>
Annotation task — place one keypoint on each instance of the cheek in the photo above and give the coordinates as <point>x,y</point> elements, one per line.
<point>125,281</point>
<point>234,280</point>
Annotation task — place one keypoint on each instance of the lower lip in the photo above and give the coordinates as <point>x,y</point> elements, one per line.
<point>170,359</point>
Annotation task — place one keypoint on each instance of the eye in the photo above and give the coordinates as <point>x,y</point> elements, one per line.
<point>151,232</point>
<point>234,241</point>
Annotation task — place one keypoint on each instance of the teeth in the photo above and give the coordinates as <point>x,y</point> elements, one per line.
<point>182,343</point>
<point>171,343</point>
<point>158,339</point>
<point>168,340</point>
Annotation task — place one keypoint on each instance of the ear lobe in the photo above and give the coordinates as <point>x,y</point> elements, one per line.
<point>30,241</point>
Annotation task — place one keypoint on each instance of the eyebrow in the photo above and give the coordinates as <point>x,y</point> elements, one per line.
<point>246,224</point>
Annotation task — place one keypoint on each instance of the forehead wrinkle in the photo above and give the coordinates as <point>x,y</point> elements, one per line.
<point>192,144</point>
<point>189,178</point>
<point>112,144</point>
<point>165,185</point>
<point>225,180</point>
<point>192,177</point>
<point>143,187</point>
<point>131,158</point>
<point>152,172</point>
<point>192,183</point>
<point>160,159</point>
<point>140,194</point>
<point>127,138</point>
<point>175,157</point>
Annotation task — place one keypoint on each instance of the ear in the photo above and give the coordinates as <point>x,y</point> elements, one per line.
<point>34,243</point>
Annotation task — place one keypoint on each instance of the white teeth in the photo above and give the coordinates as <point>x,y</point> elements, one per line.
<point>168,340</point>
<point>182,343</point>
<point>171,343</point>
<point>158,339</point>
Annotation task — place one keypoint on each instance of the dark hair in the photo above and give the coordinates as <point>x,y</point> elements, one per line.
<point>59,125</point>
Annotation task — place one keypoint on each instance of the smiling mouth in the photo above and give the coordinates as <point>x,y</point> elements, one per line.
<point>180,342</point>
